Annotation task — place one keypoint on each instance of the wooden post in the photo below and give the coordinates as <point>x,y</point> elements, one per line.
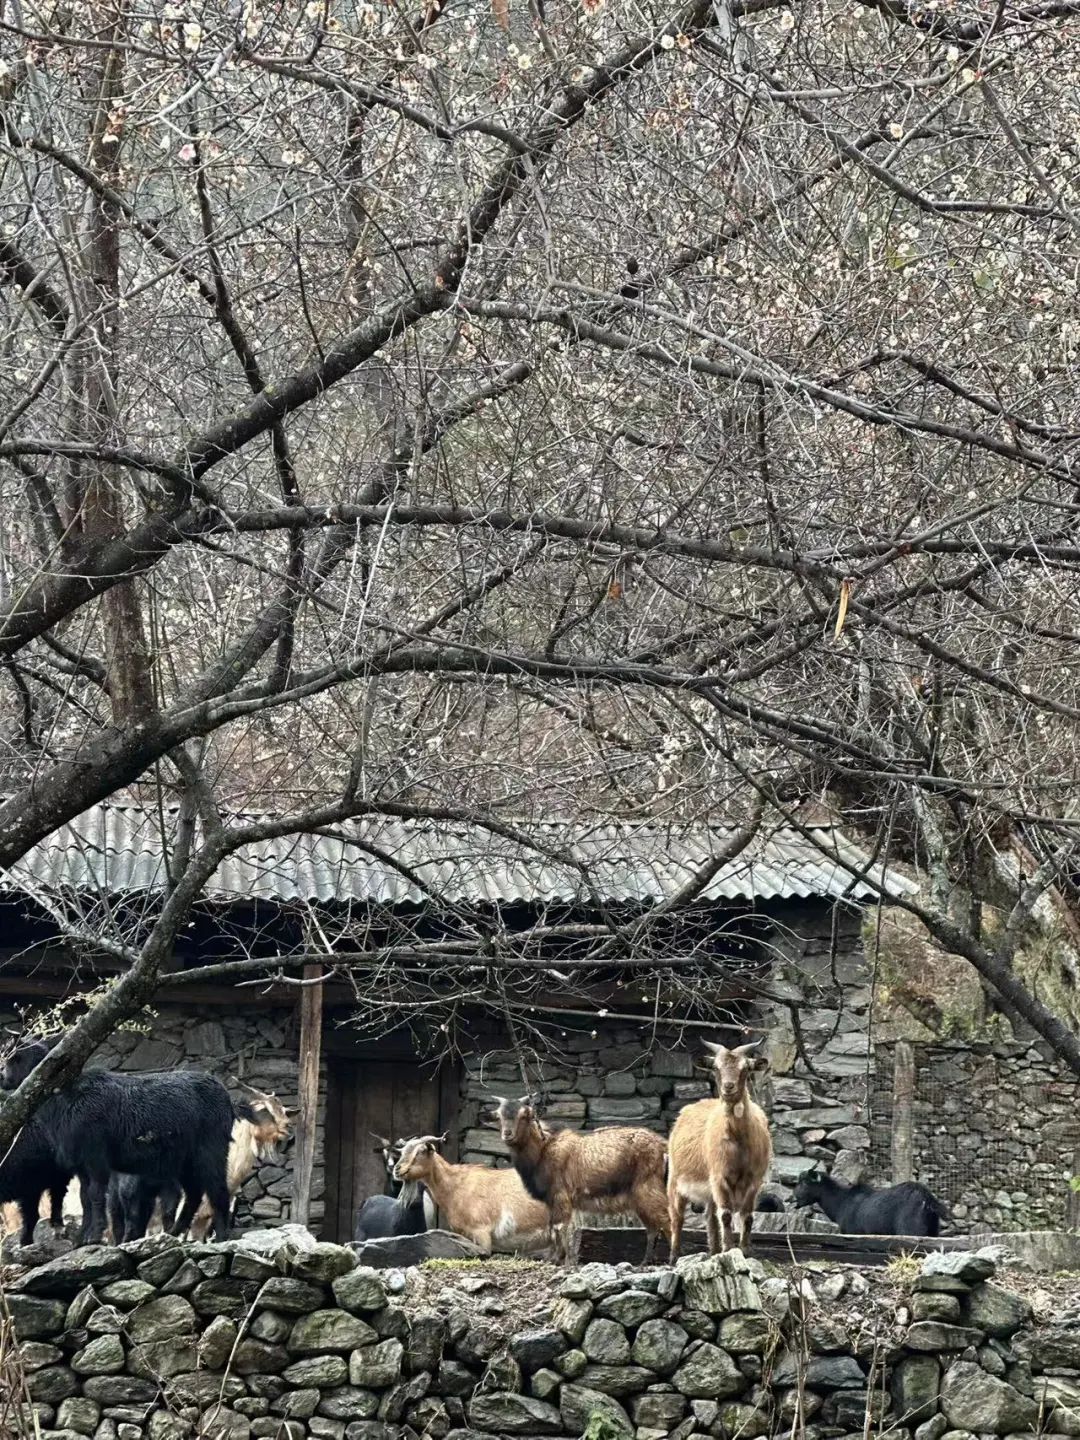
<point>1072,1197</point>
<point>903,1098</point>
<point>311,1005</point>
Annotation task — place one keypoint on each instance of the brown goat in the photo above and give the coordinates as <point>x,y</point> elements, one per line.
<point>611,1171</point>
<point>251,1142</point>
<point>719,1153</point>
<point>489,1207</point>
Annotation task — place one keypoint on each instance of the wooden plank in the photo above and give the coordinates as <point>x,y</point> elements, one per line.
<point>903,1110</point>
<point>311,1006</point>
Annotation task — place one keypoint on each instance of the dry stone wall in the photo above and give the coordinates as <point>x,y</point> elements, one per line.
<point>260,1338</point>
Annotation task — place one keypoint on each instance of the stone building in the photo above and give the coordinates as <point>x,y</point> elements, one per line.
<point>783,953</point>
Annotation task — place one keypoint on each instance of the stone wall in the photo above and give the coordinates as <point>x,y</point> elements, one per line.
<point>261,1338</point>
<point>256,1046</point>
<point>995,1132</point>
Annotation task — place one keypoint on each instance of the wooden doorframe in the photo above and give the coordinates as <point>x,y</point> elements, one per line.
<point>338,1134</point>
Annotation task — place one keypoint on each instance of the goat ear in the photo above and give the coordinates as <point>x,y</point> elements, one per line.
<point>759,1063</point>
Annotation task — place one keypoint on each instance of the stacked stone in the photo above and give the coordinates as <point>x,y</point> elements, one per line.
<point>610,1078</point>
<point>971,1144</point>
<point>259,1338</point>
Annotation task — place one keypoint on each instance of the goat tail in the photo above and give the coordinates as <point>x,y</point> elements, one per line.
<point>243,1111</point>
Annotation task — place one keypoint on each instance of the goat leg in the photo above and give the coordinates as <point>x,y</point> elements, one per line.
<point>712,1228</point>
<point>746,1221</point>
<point>182,1222</point>
<point>676,1217</point>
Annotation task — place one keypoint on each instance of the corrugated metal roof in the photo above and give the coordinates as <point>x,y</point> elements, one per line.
<point>118,850</point>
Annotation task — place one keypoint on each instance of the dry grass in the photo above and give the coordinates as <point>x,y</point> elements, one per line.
<point>17,1418</point>
<point>515,1292</point>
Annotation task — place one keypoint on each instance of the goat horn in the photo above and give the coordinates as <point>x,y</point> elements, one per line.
<point>753,1045</point>
<point>712,1047</point>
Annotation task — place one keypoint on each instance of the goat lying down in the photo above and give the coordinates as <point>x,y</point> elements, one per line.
<point>489,1207</point>
<point>905,1209</point>
<point>405,1209</point>
<point>615,1171</point>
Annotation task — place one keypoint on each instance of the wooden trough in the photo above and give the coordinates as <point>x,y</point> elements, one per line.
<point>1042,1250</point>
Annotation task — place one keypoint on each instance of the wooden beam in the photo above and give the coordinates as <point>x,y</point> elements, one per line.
<point>903,1108</point>
<point>311,1008</point>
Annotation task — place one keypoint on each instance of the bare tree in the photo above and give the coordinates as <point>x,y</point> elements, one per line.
<point>407,415</point>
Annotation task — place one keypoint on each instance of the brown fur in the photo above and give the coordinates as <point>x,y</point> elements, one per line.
<point>250,1143</point>
<point>489,1207</point>
<point>613,1171</point>
<point>720,1152</point>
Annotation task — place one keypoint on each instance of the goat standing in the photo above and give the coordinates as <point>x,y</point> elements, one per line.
<point>719,1153</point>
<point>170,1126</point>
<point>613,1171</point>
<point>489,1207</point>
<point>905,1209</point>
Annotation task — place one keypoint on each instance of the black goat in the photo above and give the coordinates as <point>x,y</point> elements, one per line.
<point>130,1203</point>
<point>408,1212</point>
<point>173,1126</point>
<point>905,1209</point>
<point>27,1169</point>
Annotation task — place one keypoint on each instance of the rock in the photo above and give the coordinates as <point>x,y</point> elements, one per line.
<point>970,1397</point>
<point>659,1345</point>
<point>216,1343</point>
<point>502,1373</point>
<point>360,1292</point>
<point>630,1307</point>
<point>376,1366</point>
<point>158,1268</point>
<point>614,1379</point>
<point>120,1390</point>
<point>578,1404</point>
<point>328,1330</point>
<point>719,1284</point>
<point>103,1356</point>
<point>403,1251</point>
<point>746,1421</point>
<point>376,1430</point>
<point>1051,1349</point>
<point>273,1428</point>
<point>78,1414</point>
<point>245,1266</point>
<point>745,1332</point>
<point>514,1415</point>
<point>164,1426</point>
<point>544,1384</point>
<point>67,1274</point>
<point>51,1385</point>
<point>202,1388</point>
<point>81,1308</point>
<point>256,1357</point>
<point>934,1336</point>
<point>534,1349</point>
<point>916,1382</point>
<point>571,1317</point>
<point>126,1294</point>
<point>396,1400</point>
<point>967,1265</point>
<point>321,1373</point>
<point>294,1297</point>
<point>296,1404</point>
<point>159,1319</point>
<point>1060,1398</point>
<point>223,1296</point>
<point>324,1262</point>
<point>830,1287</point>
<point>571,1364</point>
<point>935,1305</point>
<point>183,1280</point>
<point>932,1429</point>
<point>427,1336</point>
<point>991,1361</point>
<point>349,1403</point>
<point>35,1355</point>
<point>455,1379</point>
<point>391,1323</point>
<point>218,1422</point>
<point>479,1342</point>
<point>850,1137</point>
<point>997,1311</point>
<point>697,1324</point>
<point>657,1411</point>
<point>591,1282</point>
<point>106,1320</point>
<point>34,1319</point>
<point>710,1373</point>
<point>605,1342</point>
<point>332,1429</point>
<point>162,1359</point>
<point>270,1326</point>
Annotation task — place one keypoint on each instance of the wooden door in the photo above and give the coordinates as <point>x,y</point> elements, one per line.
<point>388,1097</point>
